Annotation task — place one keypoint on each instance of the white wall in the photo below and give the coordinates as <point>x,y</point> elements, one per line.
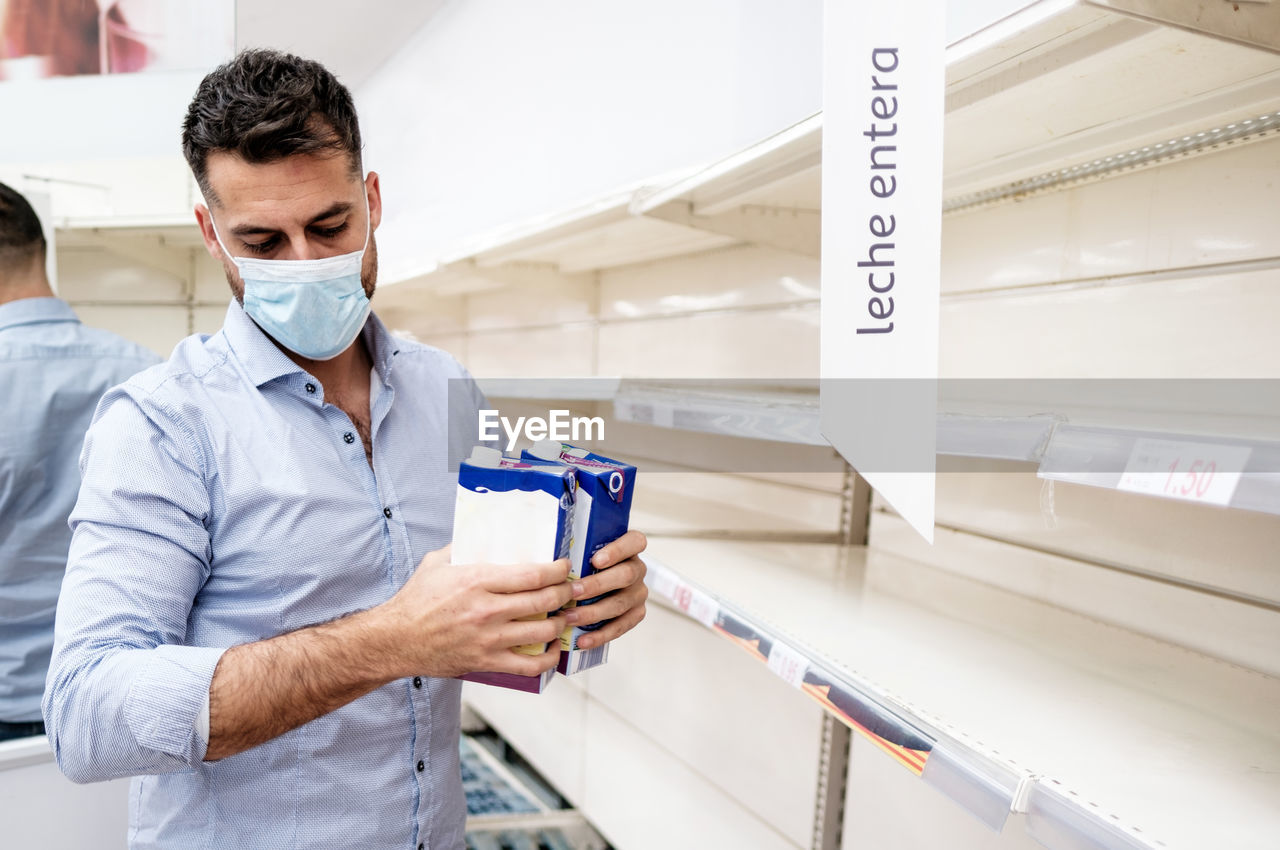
<point>133,115</point>
<point>502,109</point>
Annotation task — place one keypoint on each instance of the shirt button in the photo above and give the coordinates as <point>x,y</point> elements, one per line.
<point>421,766</point>
<point>311,387</point>
<point>417,681</point>
<point>349,437</point>
<point>386,512</point>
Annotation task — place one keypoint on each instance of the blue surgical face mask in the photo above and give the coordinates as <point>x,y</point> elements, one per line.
<point>314,308</point>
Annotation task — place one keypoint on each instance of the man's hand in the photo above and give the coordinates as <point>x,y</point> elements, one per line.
<point>619,569</point>
<point>451,619</point>
<point>447,620</point>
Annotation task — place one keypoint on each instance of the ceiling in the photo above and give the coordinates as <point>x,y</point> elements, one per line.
<point>350,45</point>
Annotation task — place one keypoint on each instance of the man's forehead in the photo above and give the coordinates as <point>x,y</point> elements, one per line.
<point>295,183</point>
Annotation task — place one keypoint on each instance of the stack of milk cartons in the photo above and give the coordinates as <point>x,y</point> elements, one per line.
<point>602,510</point>
<point>513,512</point>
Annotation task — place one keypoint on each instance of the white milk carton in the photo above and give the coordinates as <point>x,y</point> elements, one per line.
<point>512,512</point>
<point>602,510</point>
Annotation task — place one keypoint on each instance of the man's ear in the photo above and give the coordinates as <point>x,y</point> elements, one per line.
<point>205,220</point>
<point>374,188</point>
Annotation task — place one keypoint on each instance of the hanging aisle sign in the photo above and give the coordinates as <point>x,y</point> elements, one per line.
<point>883,78</point>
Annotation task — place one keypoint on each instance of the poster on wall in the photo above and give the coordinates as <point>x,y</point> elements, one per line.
<point>42,39</point>
<point>883,82</point>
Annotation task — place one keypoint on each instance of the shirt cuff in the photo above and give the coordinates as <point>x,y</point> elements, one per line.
<point>167,698</point>
<point>202,722</point>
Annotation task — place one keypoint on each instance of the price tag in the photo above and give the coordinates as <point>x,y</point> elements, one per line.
<point>788,664</point>
<point>703,608</point>
<point>682,595</point>
<point>662,582</point>
<point>696,604</point>
<point>1194,472</point>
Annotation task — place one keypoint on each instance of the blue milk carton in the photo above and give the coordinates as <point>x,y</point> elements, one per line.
<point>601,513</point>
<point>512,512</point>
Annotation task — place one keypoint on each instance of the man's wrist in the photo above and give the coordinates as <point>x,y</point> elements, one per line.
<point>383,634</point>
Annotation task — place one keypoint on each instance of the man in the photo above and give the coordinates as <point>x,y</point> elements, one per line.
<point>53,370</point>
<point>283,488</point>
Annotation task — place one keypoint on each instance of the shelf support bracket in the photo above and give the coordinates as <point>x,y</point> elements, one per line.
<point>855,508</point>
<point>833,778</point>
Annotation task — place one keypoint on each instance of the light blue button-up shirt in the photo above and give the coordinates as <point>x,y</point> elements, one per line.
<point>225,502</point>
<point>53,370</point>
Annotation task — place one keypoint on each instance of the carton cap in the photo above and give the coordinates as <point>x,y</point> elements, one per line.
<point>485,456</point>
<point>547,450</point>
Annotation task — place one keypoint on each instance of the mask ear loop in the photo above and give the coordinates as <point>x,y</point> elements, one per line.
<point>368,216</point>
<point>217,235</point>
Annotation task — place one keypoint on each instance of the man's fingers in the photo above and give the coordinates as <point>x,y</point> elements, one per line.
<point>611,606</point>
<point>527,665</point>
<point>612,630</point>
<point>621,575</point>
<point>542,601</point>
<point>525,632</point>
<point>627,546</point>
<point>516,578</point>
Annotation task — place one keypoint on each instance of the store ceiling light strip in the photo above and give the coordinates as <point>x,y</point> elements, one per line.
<point>1133,158</point>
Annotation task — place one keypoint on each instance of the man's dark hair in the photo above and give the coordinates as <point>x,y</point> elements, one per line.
<point>21,239</point>
<point>264,105</point>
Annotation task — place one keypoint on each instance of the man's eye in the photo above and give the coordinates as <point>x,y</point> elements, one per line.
<point>262,247</point>
<point>330,232</point>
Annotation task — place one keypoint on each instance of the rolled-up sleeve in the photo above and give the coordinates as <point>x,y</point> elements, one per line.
<point>124,691</point>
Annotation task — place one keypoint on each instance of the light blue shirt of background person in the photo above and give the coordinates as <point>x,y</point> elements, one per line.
<point>224,502</point>
<point>53,370</point>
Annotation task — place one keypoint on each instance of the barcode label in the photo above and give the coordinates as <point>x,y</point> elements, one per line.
<point>584,659</point>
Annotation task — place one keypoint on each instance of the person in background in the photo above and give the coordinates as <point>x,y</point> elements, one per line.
<point>261,620</point>
<point>53,370</point>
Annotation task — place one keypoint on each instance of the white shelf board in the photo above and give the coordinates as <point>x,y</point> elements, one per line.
<point>784,413</point>
<point>729,408</point>
<point>781,171</point>
<point>21,752</point>
<point>1133,742</point>
<point>600,233</point>
<point>1063,82</point>
<point>558,389</point>
<point>1091,451</point>
<point>175,231</point>
<point>1056,84</point>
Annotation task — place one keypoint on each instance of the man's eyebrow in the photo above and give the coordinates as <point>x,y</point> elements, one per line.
<point>253,230</point>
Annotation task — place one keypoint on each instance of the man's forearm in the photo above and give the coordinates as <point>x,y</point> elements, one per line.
<point>262,690</point>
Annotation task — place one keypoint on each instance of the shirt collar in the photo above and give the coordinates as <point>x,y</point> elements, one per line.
<point>264,362</point>
<point>30,311</point>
